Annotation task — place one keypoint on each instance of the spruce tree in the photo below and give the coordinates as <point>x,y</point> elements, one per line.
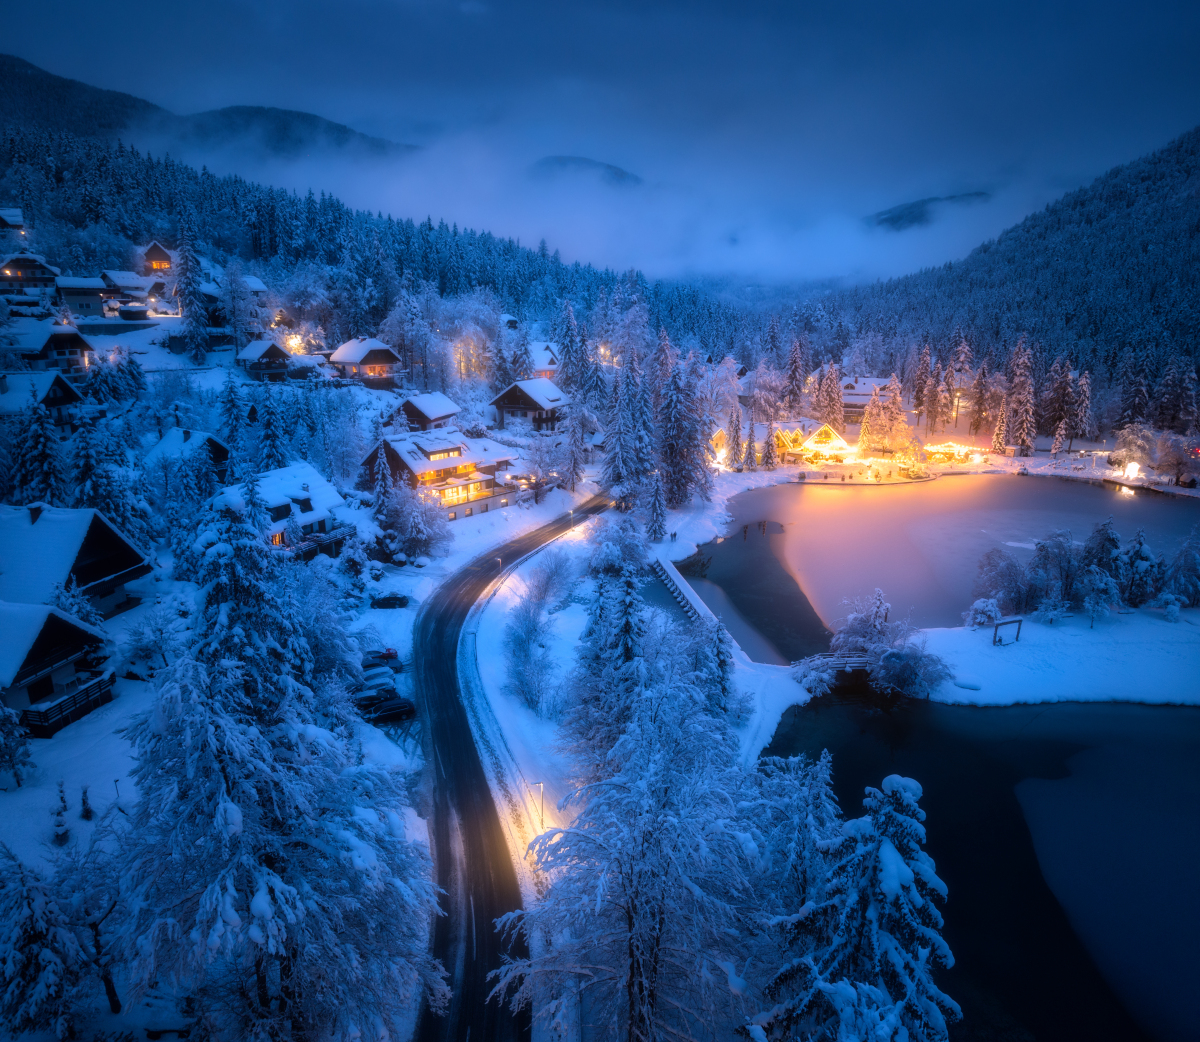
<point>191,298</point>
<point>979,399</point>
<point>874,423</point>
<point>1083,423</point>
<point>618,470</point>
<point>40,955</point>
<point>272,453</point>
<point>895,420</point>
<point>14,744</point>
<point>920,381</point>
<point>832,410</point>
<point>1060,435</point>
<point>233,412</point>
<point>384,485</point>
<point>38,471</point>
<point>733,438</point>
<point>1000,434</point>
<point>799,366</point>
<point>933,400</point>
<point>566,335</point>
<point>656,520</point>
<point>750,456</point>
<point>501,362</point>
<point>1134,399</point>
<point>770,453</point>
<point>574,449</point>
<point>522,357</point>
<point>1024,432</point>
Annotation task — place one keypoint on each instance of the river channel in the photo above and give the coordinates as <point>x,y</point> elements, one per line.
<point>1068,834</point>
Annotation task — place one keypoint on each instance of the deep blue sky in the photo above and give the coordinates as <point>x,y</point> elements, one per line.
<point>764,132</point>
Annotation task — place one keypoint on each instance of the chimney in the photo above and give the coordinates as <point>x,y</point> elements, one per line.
<point>305,486</point>
<point>187,436</point>
<point>35,511</point>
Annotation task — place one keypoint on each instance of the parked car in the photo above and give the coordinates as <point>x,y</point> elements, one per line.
<point>377,676</point>
<point>390,600</point>
<point>393,711</point>
<point>367,699</point>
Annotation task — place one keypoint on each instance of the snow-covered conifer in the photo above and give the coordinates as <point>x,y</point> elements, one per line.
<point>38,470</point>
<point>69,598</point>
<point>1058,401</point>
<point>191,298</point>
<point>573,457</point>
<point>40,956</point>
<point>873,428</point>
<point>233,411</point>
<point>1060,436</point>
<point>799,366</point>
<point>920,380</point>
<point>14,744</point>
<point>1182,577</point>
<point>896,432</point>
<point>1140,573</point>
<point>750,455</point>
<point>1083,422</point>
<point>656,509</point>
<point>522,357</point>
<point>979,399</point>
<point>770,453</point>
<point>384,485</point>
<point>733,438</point>
<point>1021,400</point>
<point>1135,400</point>
<point>933,400</point>
<point>831,409</point>
<point>272,440</point>
<point>1000,434</point>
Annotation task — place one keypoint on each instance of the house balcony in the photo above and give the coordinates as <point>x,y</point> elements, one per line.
<point>44,719</point>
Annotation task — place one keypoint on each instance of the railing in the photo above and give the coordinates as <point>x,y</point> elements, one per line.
<point>44,722</point>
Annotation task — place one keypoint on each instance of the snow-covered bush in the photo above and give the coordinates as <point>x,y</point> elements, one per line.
<point>158,634</point>
<point>909,670</point>
<point>1003,578</point>
<point>814,675</point>
<point>14,744</point>
<point>70,600</point>
<point>984,612</point>
<point>415,522</point>
<point>530,666</point>
<point>617,543</point>
<point>1183,571</point>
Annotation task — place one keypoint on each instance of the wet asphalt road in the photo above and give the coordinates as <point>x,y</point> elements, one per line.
<point>473,863</point>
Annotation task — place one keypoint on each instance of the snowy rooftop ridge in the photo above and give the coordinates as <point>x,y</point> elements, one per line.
<point>354,351</point>
<point>415,447</point>
<point>433,405</point>
<point>300,487</point>
<point>18,387</point>
<point>21,625</point>
<point>179,442</point>
<point>544,392</point>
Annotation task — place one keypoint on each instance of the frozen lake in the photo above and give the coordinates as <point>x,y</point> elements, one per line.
<point>921,543</point>
<point>1067,833</point>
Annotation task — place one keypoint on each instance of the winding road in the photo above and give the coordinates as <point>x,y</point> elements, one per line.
<point>473,863</point>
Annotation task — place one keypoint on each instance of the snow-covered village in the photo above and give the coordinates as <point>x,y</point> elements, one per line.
<point>581,604</point>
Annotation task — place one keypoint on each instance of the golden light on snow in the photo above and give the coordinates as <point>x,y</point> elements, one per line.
<point>1132,469</point>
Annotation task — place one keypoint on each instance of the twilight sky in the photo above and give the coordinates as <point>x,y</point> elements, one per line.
<point>764,133</point>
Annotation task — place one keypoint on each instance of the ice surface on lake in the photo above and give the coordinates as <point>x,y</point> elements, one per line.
<point>921,543</point>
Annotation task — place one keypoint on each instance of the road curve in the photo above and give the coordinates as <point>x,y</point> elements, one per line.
<point>470,851</point>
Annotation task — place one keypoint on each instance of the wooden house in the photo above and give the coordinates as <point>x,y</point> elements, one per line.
<point>366,358</point>
<point>465,474</point>
<point>545,359</point>
<point>12,221</point>
<point>303,509</point>
<point>25,272</point>
<point>85,297</point>
<point>17,389</point>
<point>157,260</point>
<point>789,436</point>
<point>179,443</point>
<point>824,443</point>
<point>42,547</point>
<point>509,322</point>
<point>428,411</point>
<point>65,350</point>
<point>50,667</point>
<point>537,403</point>
<point>264,360</point>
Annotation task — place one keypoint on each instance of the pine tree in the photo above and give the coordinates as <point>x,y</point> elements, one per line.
<point>1083,423</point>
<point>733,438</point>
<point>933,400</point>
<point>896,422</point>
<point>920,382</point>
<point>89,471</point>
<point>682,445</point>
<point>799,366</point>
<point>948,398</point>
<point>14,744</point>
<point>522,357</point>
<point>39,952</point>
<point>384,485</point>
<point>1000,434</point>
<point>874,423</point>
<point>656,521</point>
<point>619,469</point>
<point>191,298</point>
<point>1058,402</point>
<point>255,510</point>
<point>770,453</point>
<point>574,449</point>
<point>271,438</point>
<point>233,411</point>
<point>1060,435</point>
<point>256,825</point>
<point>979,400</point>
<point>1135,401</point>
<point>832,410</point>
<point>1024,432</point>
<point>71,600</point>
<point>566,335</point>
<point>750,456</point>
<point>37,459</point>
<point>501,362</point>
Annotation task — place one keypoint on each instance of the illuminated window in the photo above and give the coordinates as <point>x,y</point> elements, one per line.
<point>277,539</point>
<point>452,516</point>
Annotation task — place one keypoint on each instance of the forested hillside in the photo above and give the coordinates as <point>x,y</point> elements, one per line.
<point>1110,267</point>
<point>90,203</point>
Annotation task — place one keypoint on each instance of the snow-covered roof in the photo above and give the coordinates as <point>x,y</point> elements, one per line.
<point>415,448</point>
<point>826,439</point>
<point>16,388</point>
<point>543,391</point>
<point>21,625</point>
<point>545,355</point>
<point>254,350</point>
<point>67,282</point>
<point>354,351</point>
<point>12,216</point>
<point>299,486</point>
<point>254,284</point>
<point>39,546</point>
<point>129,280</point>
<point>178,442</point>
<point>36,257</point>
<point>859,389</point>
<point>433,405</point>
<point>508,321</point>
